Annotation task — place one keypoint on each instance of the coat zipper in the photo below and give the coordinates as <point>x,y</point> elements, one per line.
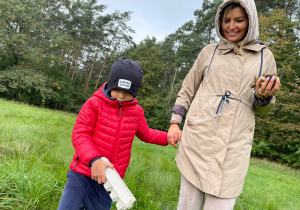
<point>118,134</point>
<point>76,162</point>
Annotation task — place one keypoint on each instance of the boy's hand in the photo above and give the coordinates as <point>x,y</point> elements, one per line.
<point>98,170</point>
<point>174,135</point>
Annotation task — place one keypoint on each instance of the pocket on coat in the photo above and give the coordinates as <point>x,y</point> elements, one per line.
<point>250,123</point>
<point>202,105</point>
<point>201,111</point>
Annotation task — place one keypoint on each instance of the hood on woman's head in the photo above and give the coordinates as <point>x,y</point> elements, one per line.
<point>253,28</point>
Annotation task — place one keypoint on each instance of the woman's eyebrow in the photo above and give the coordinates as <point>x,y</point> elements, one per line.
<point>236,17</point>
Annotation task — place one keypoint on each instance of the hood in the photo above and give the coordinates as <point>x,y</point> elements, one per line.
<point>103,93</point>
<point>253,29</point>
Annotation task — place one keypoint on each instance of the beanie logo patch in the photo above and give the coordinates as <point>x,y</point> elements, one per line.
<point>123,83</point>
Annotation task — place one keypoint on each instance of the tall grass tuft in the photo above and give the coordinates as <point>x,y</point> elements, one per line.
<point>26,183</point>
<point>34,155</point>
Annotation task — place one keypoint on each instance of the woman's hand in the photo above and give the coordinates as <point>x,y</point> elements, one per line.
<point>174,135</point>
<point>98,170</point>
<point>268,88</point>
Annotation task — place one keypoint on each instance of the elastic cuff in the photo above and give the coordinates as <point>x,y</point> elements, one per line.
<point>176,117</point>
<point>91,162</point>
<point>262,102</point>
<point>178,109</point>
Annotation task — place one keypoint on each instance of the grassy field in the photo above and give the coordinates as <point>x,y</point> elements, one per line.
<point>35,152</point>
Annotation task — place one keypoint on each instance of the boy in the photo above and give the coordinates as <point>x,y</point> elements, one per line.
<point>105,127</point>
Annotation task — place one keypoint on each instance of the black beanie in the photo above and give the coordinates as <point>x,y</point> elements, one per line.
<point>127,75</point>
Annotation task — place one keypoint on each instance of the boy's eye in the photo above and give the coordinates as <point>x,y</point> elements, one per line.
<point>127,94</point>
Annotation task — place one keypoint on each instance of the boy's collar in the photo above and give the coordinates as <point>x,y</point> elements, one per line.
<point>108,94</point>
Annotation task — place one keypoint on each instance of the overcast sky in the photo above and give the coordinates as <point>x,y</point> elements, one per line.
<point>157,18</point>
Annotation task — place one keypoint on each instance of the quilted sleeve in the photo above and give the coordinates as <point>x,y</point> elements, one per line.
<point>83,131</point>
<point>150,135</point>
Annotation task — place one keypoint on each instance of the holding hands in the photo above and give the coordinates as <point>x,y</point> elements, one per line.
<point>174,135</point>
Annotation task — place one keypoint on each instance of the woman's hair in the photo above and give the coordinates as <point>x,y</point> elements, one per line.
<point>237,46</point>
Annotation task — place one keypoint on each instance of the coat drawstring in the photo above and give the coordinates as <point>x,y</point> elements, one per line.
<point>224,100</point>
<point>228,93</point>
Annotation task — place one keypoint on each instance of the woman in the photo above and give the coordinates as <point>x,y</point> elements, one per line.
<point>216,141</point>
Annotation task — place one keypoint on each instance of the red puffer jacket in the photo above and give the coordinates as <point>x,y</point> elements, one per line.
<point>104,129</point>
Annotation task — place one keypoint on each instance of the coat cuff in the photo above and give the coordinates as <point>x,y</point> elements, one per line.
<point>91,162</point>
<point>176,117</point>
<point>178,109</point>
<point>262,102</point>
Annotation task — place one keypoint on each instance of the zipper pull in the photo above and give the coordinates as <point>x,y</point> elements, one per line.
<point>120,113</point>
<point>75,164</point>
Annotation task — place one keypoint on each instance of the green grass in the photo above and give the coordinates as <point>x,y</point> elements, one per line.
<point>36,150</point>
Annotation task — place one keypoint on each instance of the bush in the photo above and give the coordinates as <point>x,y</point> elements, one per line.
<point>286,153</point>
<point>25,85</point>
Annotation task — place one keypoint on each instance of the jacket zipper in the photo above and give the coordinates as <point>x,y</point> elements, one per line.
<point>118,134</point>
<point>76,162</point>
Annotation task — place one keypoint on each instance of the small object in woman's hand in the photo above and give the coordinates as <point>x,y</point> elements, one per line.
<point>264,77</point>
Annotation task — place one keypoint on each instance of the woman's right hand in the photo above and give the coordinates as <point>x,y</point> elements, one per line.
<point>268,87</point>
<point>174,135</point>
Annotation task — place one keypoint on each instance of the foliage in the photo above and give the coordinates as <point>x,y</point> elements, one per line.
<point>26,85</point>
<point>285,153</point>
<point>291,8</point>
<point>6,60</point>
<point>281,139</point>
<point>153,89</point>
<point>65,41</point>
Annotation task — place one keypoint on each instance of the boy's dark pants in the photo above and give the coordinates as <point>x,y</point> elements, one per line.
<point>82,192</point>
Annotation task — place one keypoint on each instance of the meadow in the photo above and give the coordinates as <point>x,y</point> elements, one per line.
<point>36,150</point>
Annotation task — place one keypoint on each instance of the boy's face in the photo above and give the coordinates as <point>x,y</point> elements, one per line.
<point>121,95</point>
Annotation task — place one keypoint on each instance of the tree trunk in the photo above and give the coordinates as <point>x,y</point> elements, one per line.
<point>101,70</point>
<point>90,74</point>
<point>75,64</point>
<point>104,62</point>
<point>87,72</point>
<point>72,64</point>
<point>61,56</point>
<point>67,60</point>
<point>75,68</point>
<point>110,43</point>
<point>170,94</point>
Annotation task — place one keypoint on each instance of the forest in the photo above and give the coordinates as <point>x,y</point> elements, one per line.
<point>55,54</point>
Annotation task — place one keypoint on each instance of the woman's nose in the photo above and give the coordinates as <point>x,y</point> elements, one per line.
<point>231,25</point>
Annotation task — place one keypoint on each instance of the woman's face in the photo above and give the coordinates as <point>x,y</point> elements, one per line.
<point>235,24</point>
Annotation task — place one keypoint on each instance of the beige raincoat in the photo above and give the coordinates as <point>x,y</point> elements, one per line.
<point>214,152</point>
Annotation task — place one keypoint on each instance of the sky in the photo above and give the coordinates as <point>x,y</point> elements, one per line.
<point>157,18</point>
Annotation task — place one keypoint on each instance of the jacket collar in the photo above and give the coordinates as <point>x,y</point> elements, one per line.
<point>103,93</point>
<point>225,48</point>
